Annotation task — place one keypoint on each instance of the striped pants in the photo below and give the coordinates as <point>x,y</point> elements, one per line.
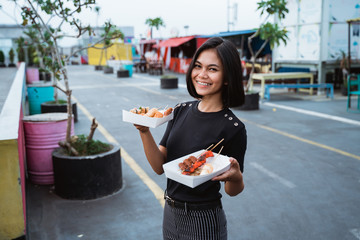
<point>179,224</point>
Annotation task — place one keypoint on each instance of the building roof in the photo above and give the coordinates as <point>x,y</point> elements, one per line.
<point>228,34</point>
<point>174,42</point>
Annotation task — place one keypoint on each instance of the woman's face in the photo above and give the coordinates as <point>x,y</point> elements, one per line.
<point>207,74</point>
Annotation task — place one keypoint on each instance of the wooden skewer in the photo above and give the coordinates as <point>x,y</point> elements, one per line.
<point>219,152</point>
<point>217,144</point>
<point>212,147</point>
<point>209,146</point>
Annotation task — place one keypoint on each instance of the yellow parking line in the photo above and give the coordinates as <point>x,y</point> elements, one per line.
<point>154,188</point>
<point>304,140</point>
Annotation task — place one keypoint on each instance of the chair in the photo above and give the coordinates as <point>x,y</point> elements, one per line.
<point>353,87</point>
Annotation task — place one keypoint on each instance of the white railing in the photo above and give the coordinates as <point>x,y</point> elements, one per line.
<point>10,114</point>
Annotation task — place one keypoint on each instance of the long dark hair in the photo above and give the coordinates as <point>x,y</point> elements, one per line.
<point>233,92</point>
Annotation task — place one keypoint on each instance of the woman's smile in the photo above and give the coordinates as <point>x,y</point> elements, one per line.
<point>205,84</point>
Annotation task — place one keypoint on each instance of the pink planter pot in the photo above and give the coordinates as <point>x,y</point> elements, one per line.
<point>32,75</point>
<point>42,134</point>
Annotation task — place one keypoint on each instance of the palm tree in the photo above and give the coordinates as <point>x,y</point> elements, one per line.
<point>154,22</point>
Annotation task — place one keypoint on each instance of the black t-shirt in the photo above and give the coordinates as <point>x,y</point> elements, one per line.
<point>192,130</point>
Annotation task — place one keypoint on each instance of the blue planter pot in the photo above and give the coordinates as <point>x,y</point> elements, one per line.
<point>37,94</point>
<point>129,67</point>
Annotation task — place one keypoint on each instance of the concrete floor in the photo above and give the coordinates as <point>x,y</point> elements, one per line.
<point>301,172</point>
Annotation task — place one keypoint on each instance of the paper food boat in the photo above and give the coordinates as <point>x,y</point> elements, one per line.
<point>172,170</point>
<point>145,120</point>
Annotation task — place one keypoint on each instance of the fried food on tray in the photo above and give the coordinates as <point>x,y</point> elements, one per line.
<point>140,110</point>
<point>168,111</point>
<point>153,112</point>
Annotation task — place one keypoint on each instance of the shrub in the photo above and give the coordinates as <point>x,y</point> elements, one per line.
<point>2,57</point>
<point>11,55</point>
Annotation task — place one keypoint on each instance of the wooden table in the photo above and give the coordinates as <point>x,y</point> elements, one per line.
<point>280,76</point>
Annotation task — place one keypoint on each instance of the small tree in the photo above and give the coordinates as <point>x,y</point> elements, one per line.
<point>36,49</point>
<point>271,33</point>
<point>154,22</point>
<point>11,56</point>
<point>2,58</point>
<point>20,49</point>
<point>63,13</point>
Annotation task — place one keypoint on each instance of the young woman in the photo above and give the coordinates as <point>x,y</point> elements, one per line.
<point>214,79</point>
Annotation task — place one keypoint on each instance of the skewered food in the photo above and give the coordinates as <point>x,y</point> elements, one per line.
<point>190,165</point>
<point>194,166</point>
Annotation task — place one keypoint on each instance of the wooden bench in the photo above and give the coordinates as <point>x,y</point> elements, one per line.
<point>263,77</point>
<point>328,86</point>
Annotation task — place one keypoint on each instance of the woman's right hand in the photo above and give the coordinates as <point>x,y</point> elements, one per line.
<point>141,128</point>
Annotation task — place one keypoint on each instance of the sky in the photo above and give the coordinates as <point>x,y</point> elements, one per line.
<point>201,16</point>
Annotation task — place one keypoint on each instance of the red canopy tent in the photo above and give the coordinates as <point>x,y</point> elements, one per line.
<point>177,52</point>
<point>174,42</point>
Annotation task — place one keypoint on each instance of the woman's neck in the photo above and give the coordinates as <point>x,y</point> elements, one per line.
<point>210,105</point>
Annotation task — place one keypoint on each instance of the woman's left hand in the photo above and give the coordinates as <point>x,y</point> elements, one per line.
<point>233,174</point>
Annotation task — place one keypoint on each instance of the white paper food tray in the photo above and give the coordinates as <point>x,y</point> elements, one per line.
<point>145,120</point>
<point>172,170</point>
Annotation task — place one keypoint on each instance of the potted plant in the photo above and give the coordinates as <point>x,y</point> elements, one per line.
<point>122,72</point>
<point>59,105</point>
<point>12,58</point>
<point>32,68</point>
<point>92,169</point>
<point>2,59</point>
<point>38,50</point>
<point>38,91</point>
<point>108,70</point>
<point>169,81</point>
<point>271,33</point>
<point>68,147</point>
<point>98,67</point>
<point>20,49</point>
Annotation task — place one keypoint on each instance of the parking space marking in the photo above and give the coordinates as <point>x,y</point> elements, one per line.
<point>273,175</point>
<point>312,113</point>
<point>304,140</point>
<point>356,232</point>
<point>154,188</point>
